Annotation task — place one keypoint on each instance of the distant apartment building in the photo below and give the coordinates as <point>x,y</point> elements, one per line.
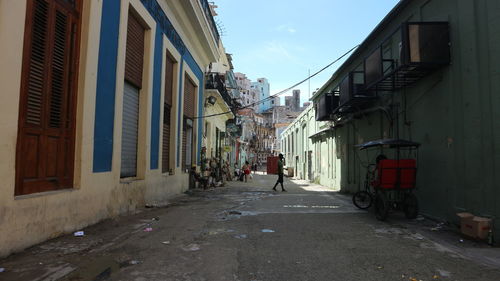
<point>292,103</point>
<point>249,95</point>
<point>296,100</point>
<point>263,86</point>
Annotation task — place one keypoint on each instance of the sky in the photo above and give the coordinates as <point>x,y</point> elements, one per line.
<point>282,40</point>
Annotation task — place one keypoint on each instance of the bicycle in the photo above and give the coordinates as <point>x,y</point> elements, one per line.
<point>363,199</point>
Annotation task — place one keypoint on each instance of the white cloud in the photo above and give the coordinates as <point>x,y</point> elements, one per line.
<point>285,28</point>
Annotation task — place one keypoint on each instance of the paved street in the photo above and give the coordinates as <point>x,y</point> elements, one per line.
<point>244,231</point>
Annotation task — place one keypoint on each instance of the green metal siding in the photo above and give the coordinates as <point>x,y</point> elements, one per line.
<point>454,113</point>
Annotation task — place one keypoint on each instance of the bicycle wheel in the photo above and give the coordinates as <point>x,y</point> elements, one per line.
<point>410,206</point>
<point>381,206</point>
<point>362,199</point>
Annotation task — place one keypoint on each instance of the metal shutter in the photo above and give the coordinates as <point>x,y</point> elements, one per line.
<point>130,130</point>
<point>187,143</point>
<point>165,158</point>
<point>45,155</point>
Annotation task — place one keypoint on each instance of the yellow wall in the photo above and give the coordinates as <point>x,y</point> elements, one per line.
<point>30,219</point>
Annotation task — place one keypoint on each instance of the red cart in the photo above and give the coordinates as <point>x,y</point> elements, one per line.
<point>390,183</point>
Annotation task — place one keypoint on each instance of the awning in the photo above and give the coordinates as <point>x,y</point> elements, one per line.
<point>392,143</point>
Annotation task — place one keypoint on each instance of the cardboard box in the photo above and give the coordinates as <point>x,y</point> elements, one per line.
<point>481,226</point>
<point>467,224</point>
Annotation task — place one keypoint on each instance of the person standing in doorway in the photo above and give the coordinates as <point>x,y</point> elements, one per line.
<point>280,173</point>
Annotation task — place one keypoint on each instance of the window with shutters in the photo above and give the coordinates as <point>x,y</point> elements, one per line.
<point>134,63</point>
<point>46,135</point>
<point>167,106</point>
<point>187,131</point>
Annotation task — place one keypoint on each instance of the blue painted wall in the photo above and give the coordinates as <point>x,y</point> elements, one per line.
<point>106,84</point>
<point>166,27</point>
<point>106,87</point>
<point>156,100</point>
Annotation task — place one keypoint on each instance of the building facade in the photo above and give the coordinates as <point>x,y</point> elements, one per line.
<point>102,109</point>
<point>427,73</point>
<point>262,85</point>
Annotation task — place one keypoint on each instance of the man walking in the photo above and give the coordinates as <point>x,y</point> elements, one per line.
<point>280,173</point>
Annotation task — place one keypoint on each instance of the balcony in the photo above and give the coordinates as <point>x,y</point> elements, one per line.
<point>216,81</point>
<point>353,94</point>
<point>211,21</point>
<point>424,47</point>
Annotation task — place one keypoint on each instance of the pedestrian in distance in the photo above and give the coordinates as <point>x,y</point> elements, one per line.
<point>246,170</point>
<point>280,173</point>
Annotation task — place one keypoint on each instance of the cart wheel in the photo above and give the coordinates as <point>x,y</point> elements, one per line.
<point>362,199</point>
<point>410,206</point>
<point>381,206</point>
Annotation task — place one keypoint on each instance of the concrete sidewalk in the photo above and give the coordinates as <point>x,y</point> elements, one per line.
<point>246,231</point>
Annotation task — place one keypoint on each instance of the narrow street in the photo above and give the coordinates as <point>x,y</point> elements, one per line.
<point>244,231</point>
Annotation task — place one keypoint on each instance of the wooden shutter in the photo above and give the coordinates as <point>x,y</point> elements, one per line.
<point>45,148</point>
<point>189,113</point>
<point>134,58</point>
<point>169,79</point>
<point>189,97</point>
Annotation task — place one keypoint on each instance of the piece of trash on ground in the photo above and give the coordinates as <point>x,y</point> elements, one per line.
<point>234,212</point>
<point>155,219</point>
<point>192,248</point>
<point>438,226</point>
<point>134,262</point>
<point>79,234</point>
<point>267,230</point>
<point>2,269</point>
<point>166,242</point>
<point>241,236</point>
<point>435,277</point>
<point>461,240</point>
<point>148,229</point>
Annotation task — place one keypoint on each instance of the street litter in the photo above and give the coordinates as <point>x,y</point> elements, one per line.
<point>148,229</point>
<point>155,219</point>
<point>241,236</point>
<point>2,269</point>
<point>437,227</point>
<point>435,277</point>
<point>191,248</point>
<point>166,242</point>
<point>461,240</point>
<point>134,262</point>
<point>267,230</point>
<point>234,213</point>
<point>79,234</point>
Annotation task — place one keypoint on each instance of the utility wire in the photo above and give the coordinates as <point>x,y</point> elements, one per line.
<point>285,90</point>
